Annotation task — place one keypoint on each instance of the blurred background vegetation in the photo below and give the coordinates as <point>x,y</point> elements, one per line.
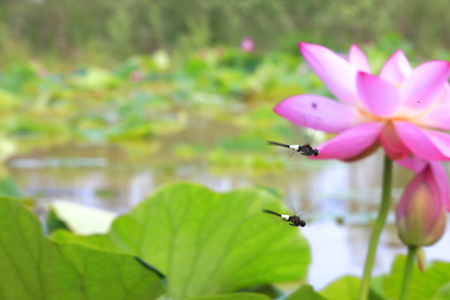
<point>101,30</point>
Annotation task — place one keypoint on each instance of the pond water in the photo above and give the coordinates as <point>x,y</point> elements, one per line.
<point>343,197</point>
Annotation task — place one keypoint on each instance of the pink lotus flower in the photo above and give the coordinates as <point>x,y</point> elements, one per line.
<point>421,216</point>
<point>247,44</point>
<point>400,109</point>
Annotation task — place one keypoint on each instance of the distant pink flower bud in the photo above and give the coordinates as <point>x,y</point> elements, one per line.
<point>421,216</point>
<point>137,76</point>
<point>247,44</point>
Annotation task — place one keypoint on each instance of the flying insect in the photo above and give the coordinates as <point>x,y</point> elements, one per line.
<point>305,149</point>
<point>293,220</point>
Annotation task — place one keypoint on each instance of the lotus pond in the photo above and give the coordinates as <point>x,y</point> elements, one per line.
<point>155,140</point>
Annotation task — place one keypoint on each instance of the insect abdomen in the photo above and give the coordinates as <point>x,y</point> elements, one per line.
<point>271,212</point>
<point>278,144</point>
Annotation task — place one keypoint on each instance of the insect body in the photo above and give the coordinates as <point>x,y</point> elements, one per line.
<point>306,149</point>
<point>293,220</point>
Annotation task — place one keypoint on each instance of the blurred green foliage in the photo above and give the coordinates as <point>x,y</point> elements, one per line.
<point>8,187</point>
<point>147,98</point>
<point>214,103</point>
<point>99,30</point>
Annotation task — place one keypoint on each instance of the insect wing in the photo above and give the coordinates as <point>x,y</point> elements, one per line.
<point>292,153</point>
<point>292,206</point>
<point>314,129</point>
<point>308,132</point>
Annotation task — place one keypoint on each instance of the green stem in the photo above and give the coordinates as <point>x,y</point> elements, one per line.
<point>412,250</point>
<point>378,227</point>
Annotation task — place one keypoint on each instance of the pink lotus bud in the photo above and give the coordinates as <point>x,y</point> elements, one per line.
<point>137,76</point>
<point>421,216</point>
<point>247,45</point>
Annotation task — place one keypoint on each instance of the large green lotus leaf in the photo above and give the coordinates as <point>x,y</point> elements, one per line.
<point>34,268</point>
<point>208,243</point>
<point>267,289</point>
<point>422,286</point>
<point>306,292</point>
<point>443,293</point>
<point>234,296</point>
<point>346,288</point>
<point>100,242</point>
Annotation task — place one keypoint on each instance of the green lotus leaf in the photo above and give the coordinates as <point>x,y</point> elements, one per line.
<point>306,292</point>
<point>423,285</point>
<point>34,268</point>
<point>234,296</point>
<point>344,288</point>
<point>208,243</point>
<point>443,293</point>
<point>347,288</point>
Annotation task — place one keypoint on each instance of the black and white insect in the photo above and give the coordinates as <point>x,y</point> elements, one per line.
<point>305,149</point>
<point>293,220</point>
